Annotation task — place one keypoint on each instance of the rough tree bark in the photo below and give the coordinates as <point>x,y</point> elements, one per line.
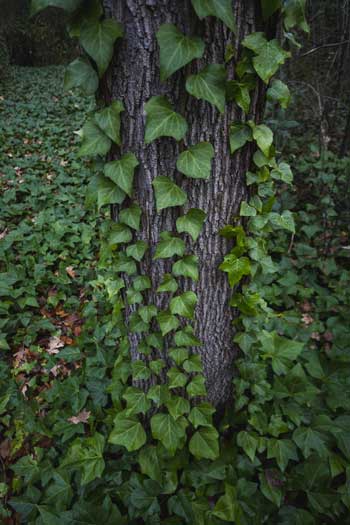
<point>134,78</point>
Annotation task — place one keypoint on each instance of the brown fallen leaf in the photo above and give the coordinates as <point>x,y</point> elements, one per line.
<point>82,417</point>
<point>71,272</point>
<point>54,344</point>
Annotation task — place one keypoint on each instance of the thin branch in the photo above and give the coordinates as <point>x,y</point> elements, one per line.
<point>313,50</point>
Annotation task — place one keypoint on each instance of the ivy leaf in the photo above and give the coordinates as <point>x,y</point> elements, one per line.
<point>176,49</point>
<point>222,9</point>
<point>149,462</point>
<point>86,455</point>
<point>249,442</point>
<point>263,137</point>
<point>309,440</point>
<point>97,39</point>
<point>131,216</point>
<point>246,210</point>
<point>176,378</point>
<point>141,283</point>
<point>269,7</point>
<point>282,450</point>
<point>196,387</point>
<point>239,92</point>
<point>269,55</point>
<point>127,432</point>
<point>186,337</point>
<point>281,350</point>
<point>108,192</point>
<point>169,431</point>
<point>137,250</point>
<point>239,135</point>
<point>168,284</point>
<point>205,443</point>
<point>227,507</point>
<point>193,364</point>
<point>80,74</point>
<point>178,355</point>
<point>272,492</point>
<point>159,394</point>
<point>294,15</point>
<point>167,322</point>
<point>119,233</point>
<point>94,141</point>
<point>201,415</point>
<point>236,268</point>
<point>67,5</point>
<point>108,119</point>
<point>169,246</point>
<point>59,492</point>
<point>147,313</point>
<point>168,194</point>
<point>210,85</point>
<point>184,304</point>
<point>284,220</point>
<point>163,121</point>
<point>178,406</point>
<point>186,267</point>
<point>195,162</point>
<point>140,370</point>
<point>279,92</point>
<point>121,172</point>
<point>191,223</point>
<point>136,401</point>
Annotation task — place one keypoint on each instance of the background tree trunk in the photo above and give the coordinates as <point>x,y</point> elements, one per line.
<point>134,78</point>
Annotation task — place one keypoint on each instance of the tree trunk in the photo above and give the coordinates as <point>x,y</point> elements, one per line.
<point>134,78</point>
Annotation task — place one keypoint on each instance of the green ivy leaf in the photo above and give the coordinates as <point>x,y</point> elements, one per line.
<point>169,246</point>
<point>149,462</point>
<point>131,216</point>
<point>279,92</point>
<point>140,370</point>
<point>176,49</point>
<point>264,138</point>
<point>191,223</point>
<point>119,233</point>
<point>222,9</point>
<point>246,210</point>
<point>178,406</point>
<point>184,304</point>
<point>281,350</point>
<point>186,267</point>
<point>169,431</point>
<point>168,284</point>
<point>196,387</point>
<point>137,250</point>
<point>249,442</point>
<point>159,394</point>
<point>141,283</point>
<point>176,378</point>
<point>167,322</point>
<point>309,440</point>
<point>67,5</point>
<point>97,39</point>
<point>269,55</point>
<point>121,172</point>
<point>210,85</point>
<point>239,135</point>
<point>269,7</point>
<point>94,141</point>
<point>284,220</point>
<point>227,508</point>
<point>236,268</point>
<point>168,194</point>
<point>282,172</point>
<point>195,162</point>
<point>136,401</point>
<point>239,92</point>
<point>193,364</point>
<point>163,121</point>
<point>108,192</point>
<point>294,15</point>
<point>80,74</point>
<point>108,119</point>
<point>282,450</point>
<point>205,443</point>
<point>147,313</point>
<point>156,365</point>
<point>86,456</point>
<point>201,415</point>
<point>271,491</point>
<point>186,337</point>
<point>178,355</point>
<point>127,432</point>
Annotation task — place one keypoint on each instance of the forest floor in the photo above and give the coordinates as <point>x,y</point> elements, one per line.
<point>47,245</point>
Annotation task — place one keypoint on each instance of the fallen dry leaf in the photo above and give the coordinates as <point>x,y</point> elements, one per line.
<point>54,344</point>
<point>82,417</point>
<point>4,233</point>
<point>70,271</point>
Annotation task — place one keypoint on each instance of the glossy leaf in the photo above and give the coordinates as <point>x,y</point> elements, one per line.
<point>127,432</point>
<point>94,141</point>
<point>222,9</point>
<point>97,39</point>
<point>108,119</point>
<point>184,304</point>
<point>176,49</point>
<point>169,431</point>
<point>195,162</point>
<point>131,216</point>
<point>168,194</point>
<point>121,172</point>
<point>205,443</point>
<point>191,223</point>
<point>163,121</point>
<point>210,85</point>
<point>239,135</point>
<point>187,267</point>
<point>80,74</point>
<point>169,246</point>
<point>108,192</point>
